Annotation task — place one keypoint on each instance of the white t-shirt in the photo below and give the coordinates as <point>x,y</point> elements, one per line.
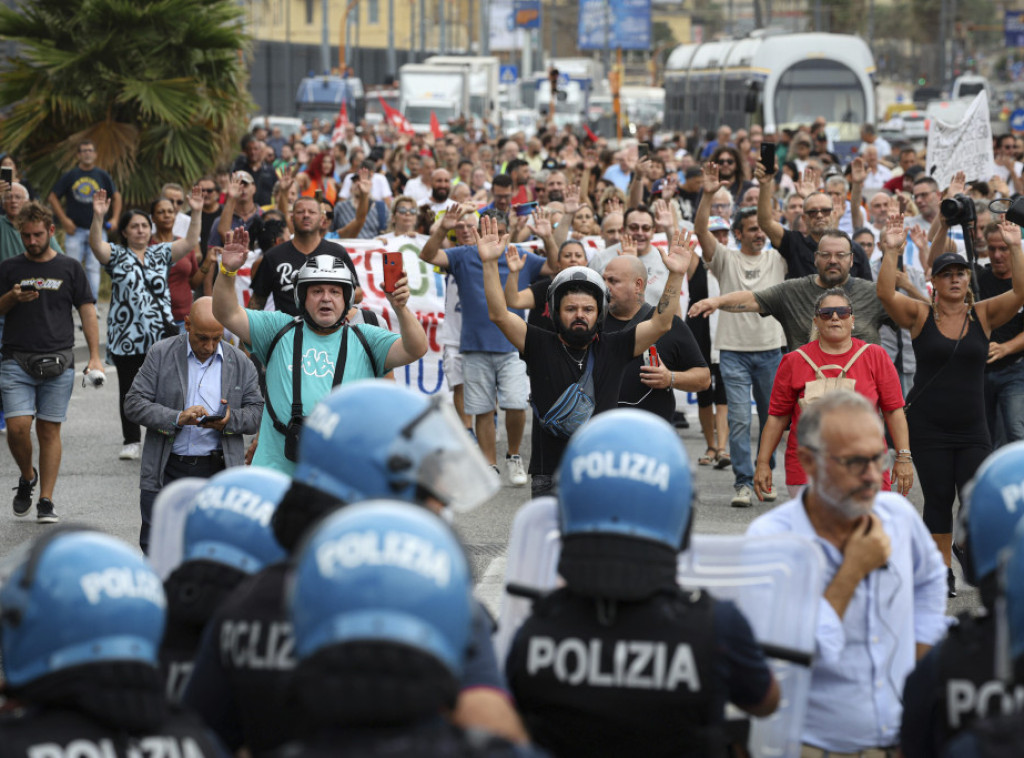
<point>450,331</point>
<point>379,187</point>
<point>747,332</point>
<point>417,190</point>
<point>419,240</point>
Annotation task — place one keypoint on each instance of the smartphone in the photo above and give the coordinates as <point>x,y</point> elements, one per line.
<point>28,287</point>
<point>525,209</point>
<point>7,174</point>
<point>652,356</point>
<point>211,418</point>
<point>319,195</point>
<point>768,156</point>
<point>393,270</point>
<point>643,150</point>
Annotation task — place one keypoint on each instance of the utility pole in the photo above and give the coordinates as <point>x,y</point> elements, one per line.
<point>392,59</point>
<point>325,44</point>
<point>485,26</point>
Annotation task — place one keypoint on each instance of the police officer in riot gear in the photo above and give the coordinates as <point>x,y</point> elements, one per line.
<point>81,616</point>
<point>368,439</point>
<point>957,682</point>
<point>382,610</point>
<point>226,537</point>
<point>1002,736</point>
<point>621,660</point>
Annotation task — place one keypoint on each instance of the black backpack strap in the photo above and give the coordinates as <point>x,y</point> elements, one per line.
<point>270,351</point>
<point>369,353</point>
<point>339,365</point>
<point>297,373</point>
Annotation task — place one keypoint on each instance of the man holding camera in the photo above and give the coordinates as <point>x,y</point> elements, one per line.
<point>196,396</point>
<point>39,290</point>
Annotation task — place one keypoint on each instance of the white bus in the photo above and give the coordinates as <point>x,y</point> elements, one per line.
<point>780,81</point>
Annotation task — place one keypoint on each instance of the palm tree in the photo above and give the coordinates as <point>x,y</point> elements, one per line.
<point>158,85</point>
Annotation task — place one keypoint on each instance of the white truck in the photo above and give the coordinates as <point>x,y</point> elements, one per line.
<point>425,88</point>
<point>484,71</point>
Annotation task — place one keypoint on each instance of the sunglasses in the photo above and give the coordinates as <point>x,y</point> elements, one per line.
<point>208,190</point>
<point>726,163</point>
<point>638,228</point>
<point>405,211</point>
<point>818,211</point>
<point>843,311</point>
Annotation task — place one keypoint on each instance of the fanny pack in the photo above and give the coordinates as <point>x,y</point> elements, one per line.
<point>44,365</point>
<point>574,406</point>
<point>823,385</point>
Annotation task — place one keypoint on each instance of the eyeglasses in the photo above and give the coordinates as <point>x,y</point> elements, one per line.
<point>207,190</point>
<point>638,228</point>
<point>727,163</point>
<point>843,311</point>
<point>405,211</point>
<point>818,211</point>
<point>721,206</point>
<point>176,202</point>
<point>857,465</point>
<point>833,256</point>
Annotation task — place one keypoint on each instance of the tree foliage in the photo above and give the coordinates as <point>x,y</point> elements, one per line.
<point>158,85</point>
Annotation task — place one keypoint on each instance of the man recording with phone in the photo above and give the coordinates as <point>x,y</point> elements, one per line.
<point>196,396</point>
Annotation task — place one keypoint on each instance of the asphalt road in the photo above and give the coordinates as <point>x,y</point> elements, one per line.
<point>96,489</point>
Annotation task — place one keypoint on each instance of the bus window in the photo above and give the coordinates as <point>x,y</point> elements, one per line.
<point>816,88</point>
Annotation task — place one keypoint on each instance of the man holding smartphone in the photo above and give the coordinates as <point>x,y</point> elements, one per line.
<point>196,396</point>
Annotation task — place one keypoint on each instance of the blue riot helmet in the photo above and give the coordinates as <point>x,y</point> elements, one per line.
<point>1012,574</point>
<point>625,472</point>
<point>384,572</point>
<point>624,505</point>
<point>229,521</point>
<point>992,505</point>
<point>375,439</point>
<point>76,597</point>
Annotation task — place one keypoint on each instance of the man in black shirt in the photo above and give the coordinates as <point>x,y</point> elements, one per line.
<point>1004,374</point>
<point>253,160</point>
<point>39,290</point>
<point>279,265</point>
<point>677,363</point>
<point>797,248</point>
<point>555,360</point>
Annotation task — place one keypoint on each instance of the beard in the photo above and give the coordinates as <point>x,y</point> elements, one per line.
<point>579,335</point>
<point>556,196</point>
<point>844,503</point>
<point>439,195</point>
<point>833,277</point>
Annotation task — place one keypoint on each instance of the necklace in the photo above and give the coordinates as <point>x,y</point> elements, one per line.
<point>579,363</point>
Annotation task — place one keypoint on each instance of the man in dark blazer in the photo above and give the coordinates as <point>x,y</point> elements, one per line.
<point>196,396</point>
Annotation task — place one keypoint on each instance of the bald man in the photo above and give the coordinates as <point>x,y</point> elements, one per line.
<point>196,396</point>
<point>678,366</point>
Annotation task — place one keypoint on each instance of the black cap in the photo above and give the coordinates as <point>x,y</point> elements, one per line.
<point>693,171</point>
<point>948,259</point>
<point>551,164</point>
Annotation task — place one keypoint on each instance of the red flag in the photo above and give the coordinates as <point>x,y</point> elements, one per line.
<point>339,125</point>
<point>396,119</point>
<point>435,127</point>
<point>593,137</point>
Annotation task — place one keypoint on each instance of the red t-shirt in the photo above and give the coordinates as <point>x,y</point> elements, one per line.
<point>873,371</point>
<point>177,282</point>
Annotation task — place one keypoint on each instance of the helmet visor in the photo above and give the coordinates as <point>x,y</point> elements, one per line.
<point>451,466</point>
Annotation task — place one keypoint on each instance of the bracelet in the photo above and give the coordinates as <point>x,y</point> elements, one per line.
<point>226,272</point>
<point>902,452</point>
<point>672,384</point>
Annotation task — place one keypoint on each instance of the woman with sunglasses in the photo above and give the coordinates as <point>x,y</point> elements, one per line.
<point>404,215</point>
<point>835,353</point>
<point>951,338</point>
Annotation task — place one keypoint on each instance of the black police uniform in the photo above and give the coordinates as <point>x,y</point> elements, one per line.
<point>240,682</point>
<point>953,686</point>
<point>91,712</point>
<point>1001,737</point>
<point>599,678</point>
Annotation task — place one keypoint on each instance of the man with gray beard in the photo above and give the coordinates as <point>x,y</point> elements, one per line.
<point>884,585</point>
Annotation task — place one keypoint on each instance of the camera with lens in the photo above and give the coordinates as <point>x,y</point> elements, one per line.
<point>958,210</point>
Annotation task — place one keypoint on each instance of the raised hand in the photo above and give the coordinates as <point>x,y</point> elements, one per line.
<point>572,199</point>
<point>541,226</point>
<point>680,252</point>
<point>235,187</point>
<point>627,245</point>
<point>663,215</point>
<point>514,260</point>
<point>195,200</point>
<point>1011,233</point>
<point>614,205</point>
<point>703,307</point>
<point>810,181</point>
<point>488,245</point>
<point>236,249</point>
<point>957,184</point>
<point>711,181</point>
<point>858,171</point>
<point>894,238</point>
<point>451,217</point>
<point>919,237</point>
<point>100,203</point>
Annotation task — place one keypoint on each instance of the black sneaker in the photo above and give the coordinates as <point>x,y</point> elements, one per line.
<point>950,583</point>
<point>45,513</point>
<point>23,498</point>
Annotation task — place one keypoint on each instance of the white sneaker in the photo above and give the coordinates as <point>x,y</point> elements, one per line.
<point>516,472</point>
<point>131,451</point>
<point>742,497</point>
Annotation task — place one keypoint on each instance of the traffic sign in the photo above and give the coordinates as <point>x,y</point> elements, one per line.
<point>509,74</point>
<point>1017,120</point>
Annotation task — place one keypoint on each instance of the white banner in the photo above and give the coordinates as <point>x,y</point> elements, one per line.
<point>966,146</point>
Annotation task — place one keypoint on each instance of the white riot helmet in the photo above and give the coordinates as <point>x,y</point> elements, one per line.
<point>322,269</point>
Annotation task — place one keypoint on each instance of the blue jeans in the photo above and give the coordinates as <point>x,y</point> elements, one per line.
<point>1004,403</point>
<point>742,374</point>
<point>77,246</point>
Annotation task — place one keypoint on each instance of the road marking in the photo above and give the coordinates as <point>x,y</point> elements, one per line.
<point>491,586</point>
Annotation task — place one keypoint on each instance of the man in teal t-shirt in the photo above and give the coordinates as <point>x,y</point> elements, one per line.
<point>323,289</point>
